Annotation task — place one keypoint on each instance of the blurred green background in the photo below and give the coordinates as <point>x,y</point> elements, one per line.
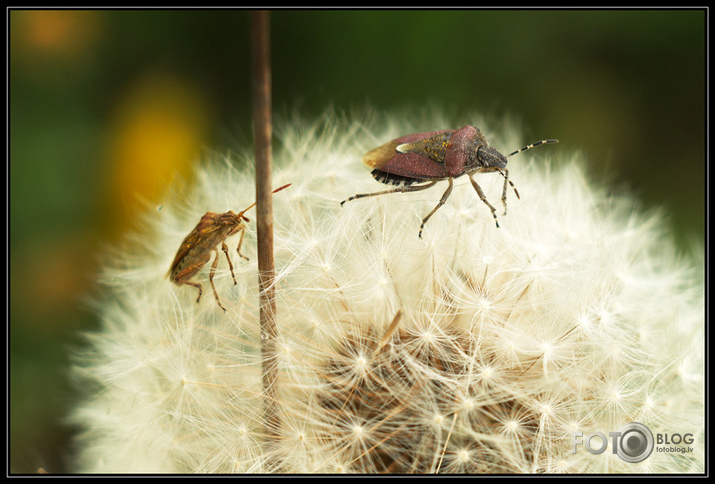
<point>109,105</point>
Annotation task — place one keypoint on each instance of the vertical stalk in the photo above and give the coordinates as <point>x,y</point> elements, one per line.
<point>262,123</point>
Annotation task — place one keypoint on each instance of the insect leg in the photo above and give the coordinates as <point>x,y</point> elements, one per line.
<point>196,260</point>
<point>197,286</point>
<point>240,241</point>
<point>505,174</point>
<point>224,247</point>
<point>403,189</point>
<point>444,198</point>
<point>483,198</point>
<point>211,280</point>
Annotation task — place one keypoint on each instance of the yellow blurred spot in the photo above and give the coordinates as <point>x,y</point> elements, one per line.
<point>157,133</point>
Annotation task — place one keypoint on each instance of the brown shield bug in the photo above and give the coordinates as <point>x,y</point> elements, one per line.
<point>438,155</point>
<point>195,251</point>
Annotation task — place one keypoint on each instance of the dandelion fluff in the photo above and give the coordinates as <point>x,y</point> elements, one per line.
<point>576,314</point>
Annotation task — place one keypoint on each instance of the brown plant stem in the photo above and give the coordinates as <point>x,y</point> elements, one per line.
<point>262,123</point>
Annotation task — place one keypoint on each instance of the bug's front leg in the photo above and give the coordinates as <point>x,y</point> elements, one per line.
<point>240,242</point>
<point>503,192</point>
<point>505,174</point>
<point>483,198</point>
<point>224,248</point>
<point>211,280</point>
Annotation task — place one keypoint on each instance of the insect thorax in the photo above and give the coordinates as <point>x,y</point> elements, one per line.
<point>434,147</point>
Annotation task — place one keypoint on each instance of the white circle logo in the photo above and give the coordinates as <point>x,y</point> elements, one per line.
<point>635,443</point>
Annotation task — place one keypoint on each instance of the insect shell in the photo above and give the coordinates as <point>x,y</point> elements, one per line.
<point>196,249</point>
<point>426,158</point>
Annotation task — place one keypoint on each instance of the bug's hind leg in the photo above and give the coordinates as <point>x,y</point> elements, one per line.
<point>211,280</point>
<point>197,286</point>
<point>402,189</point>
<point>483,198</point>
<point>444,198</point>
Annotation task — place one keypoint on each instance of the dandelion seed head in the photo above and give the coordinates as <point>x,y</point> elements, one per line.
<point>484,304</point>
<point>512,426</point>
<point>562,466</point>
<point>467,404</point>
<point>546,349</point>
<point>462,455</point>
<point>428,336</point>
<point>361,363</point>
<point>576,313</point>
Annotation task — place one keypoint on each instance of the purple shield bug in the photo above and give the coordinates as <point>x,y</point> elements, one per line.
<point>196,249</point>
<point>427,158</point>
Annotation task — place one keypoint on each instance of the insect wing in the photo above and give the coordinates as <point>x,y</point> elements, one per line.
<point>413,165</point>
<point>420,155</point>
<point>206,226</point>
<point>410,138</point>
<point>379,156</point>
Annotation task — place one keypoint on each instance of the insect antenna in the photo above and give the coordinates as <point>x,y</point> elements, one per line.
<point>254,203</point>
<point>534,145</point>
<point>506,176</point>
